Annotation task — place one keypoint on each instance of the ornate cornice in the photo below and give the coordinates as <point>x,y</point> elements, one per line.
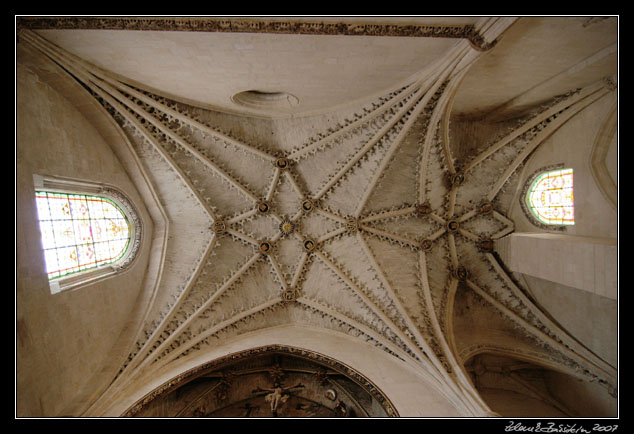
<point>254,25</point>
<point>230,359</point>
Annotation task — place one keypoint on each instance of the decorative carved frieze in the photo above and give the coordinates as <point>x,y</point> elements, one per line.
<point>225,383</point>
<point>254,25</point>
<point>610,83</point>
<point>478,42</point>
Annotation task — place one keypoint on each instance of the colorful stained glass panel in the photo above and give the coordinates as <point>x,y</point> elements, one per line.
<point>48,237</point>
<point>80,232</point>
<point>551,197</point>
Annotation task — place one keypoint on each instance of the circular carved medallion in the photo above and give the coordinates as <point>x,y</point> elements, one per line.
<point>264,207</point>
<point>309,245</point>
<point>457,178</point>
<point>219,227</point>
<point>460,273</point>
<point>265,247</point>
<point>290,294</point>
<point>307,205</point>
<point>282,163</point>
<point>452,225</point>
<point>426,245</point>
<point>287,227</point>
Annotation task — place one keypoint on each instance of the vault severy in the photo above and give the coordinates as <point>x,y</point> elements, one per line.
<point>399,228</point>
<point>208,61</point>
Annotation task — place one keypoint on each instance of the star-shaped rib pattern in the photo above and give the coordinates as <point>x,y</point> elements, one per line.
<point>369,227</point>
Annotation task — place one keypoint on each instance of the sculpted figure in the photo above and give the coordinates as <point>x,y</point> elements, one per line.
<point>277,396</point>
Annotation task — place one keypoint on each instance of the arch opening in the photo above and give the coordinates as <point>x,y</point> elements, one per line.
<point>270,381</point>
<point>513,387</point>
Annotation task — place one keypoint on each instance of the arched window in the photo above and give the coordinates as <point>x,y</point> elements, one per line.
<point>550,197</point>
<point>85,235</point>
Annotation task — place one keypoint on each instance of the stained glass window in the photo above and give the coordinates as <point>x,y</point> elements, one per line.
<point>80,232</point>
<point>551,198</point>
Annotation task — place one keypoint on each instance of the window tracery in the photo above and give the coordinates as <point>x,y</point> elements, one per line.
<point>549,198</point>
<point>87,232</point>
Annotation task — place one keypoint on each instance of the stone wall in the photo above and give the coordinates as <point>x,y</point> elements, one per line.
<point>64,339</point>
<point>589,317</point>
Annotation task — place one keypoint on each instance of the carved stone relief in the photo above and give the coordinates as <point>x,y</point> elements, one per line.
<point>267,382</point>
<point>256,25</point>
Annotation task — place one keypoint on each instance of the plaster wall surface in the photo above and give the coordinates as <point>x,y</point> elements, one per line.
<point>588,264</point>
<point>62,339</point>
<point>208,69</point>
<point>532,53</point>
<point>591,318</point>
<point>589,314</point>
<point>409,389</point>
<point>568,390</point>
<point>572,146</point>
<point>512,404</point>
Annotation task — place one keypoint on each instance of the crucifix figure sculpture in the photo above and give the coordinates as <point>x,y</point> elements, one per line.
<point>278,395</point>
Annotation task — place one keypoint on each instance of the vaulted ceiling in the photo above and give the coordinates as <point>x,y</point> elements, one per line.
<point>308,175</point>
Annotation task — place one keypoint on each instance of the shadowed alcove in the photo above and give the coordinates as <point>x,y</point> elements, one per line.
<point>275,381</point>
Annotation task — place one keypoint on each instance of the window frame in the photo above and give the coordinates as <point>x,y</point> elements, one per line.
<point>93,275</point>
<point>527,206</point>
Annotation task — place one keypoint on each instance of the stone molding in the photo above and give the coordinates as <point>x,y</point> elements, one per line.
<point>256,25</point>
<point>329,362</point>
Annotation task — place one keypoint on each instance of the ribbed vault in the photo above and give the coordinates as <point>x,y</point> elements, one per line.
<point>369,227</point>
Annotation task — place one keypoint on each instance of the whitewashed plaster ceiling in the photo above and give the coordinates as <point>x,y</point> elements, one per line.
<point>208,68</point>
<point>356,219</point>
<point>539,57</point>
